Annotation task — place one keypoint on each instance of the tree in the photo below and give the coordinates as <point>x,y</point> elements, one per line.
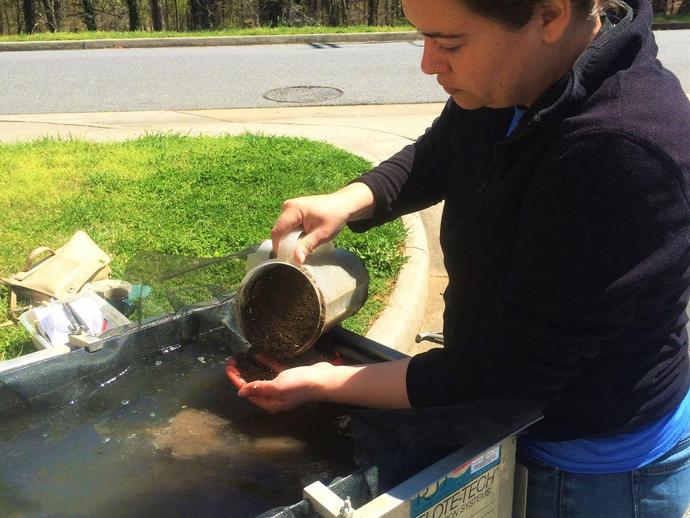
<point>271,12</point>
<point>89,15</point>
<point>133,11</point>
<point>659,6</point>
<point>29,10</point>
<point>57,13</point>
<point>337,12</point>
<point>157,20</point>
<point>372,12</point>
<point>201,14</point>
<point>51,20</point>
<point>684,7</point>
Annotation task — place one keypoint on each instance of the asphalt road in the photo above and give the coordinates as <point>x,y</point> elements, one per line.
<point>209,77</point>
<point>234,77</point>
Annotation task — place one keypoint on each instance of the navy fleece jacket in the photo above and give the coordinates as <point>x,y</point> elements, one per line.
<point>567,245</point>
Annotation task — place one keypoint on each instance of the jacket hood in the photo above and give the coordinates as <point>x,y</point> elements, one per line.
<point>625,39</point>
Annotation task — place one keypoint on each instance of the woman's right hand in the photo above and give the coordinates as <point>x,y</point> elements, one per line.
<point>321,217</point>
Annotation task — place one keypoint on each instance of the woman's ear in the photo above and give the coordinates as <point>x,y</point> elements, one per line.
<point>555,17</point>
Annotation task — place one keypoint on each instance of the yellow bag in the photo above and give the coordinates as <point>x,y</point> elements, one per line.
<point>62,272</point>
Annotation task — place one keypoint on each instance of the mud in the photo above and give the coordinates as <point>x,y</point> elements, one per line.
<point>167,436</point>
<point>194,433</point>
<point>280,311</point>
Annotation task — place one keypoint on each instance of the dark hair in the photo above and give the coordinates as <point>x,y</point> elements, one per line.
<point>516,13</point>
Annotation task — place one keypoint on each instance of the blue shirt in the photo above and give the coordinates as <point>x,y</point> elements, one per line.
<point>617,454</point>
<point>517,115</point>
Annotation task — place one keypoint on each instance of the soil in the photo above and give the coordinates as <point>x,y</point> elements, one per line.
<point>252,370</point>
<point>280,311</point>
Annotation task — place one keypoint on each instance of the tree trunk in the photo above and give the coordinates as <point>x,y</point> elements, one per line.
<point>270,12</point>
<point>19,17</point>
<point>372,12</point>
<point>29,10</point>
<point>314,9</point>
<point>133,11</point>
<point>157,15</point>
<point>50,15</point>
<point>200,14</point>
<point>684,7</point>
<point>177,17</point>
<point>57,11</point>
<point>89,15</point>
<point>337,12</point>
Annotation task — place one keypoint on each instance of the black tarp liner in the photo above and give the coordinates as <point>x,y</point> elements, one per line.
<point>150,426</point>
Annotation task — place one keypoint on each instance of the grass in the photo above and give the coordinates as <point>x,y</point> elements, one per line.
<point>678,18</point>
<point>193,196</point>
<point>257,31</point>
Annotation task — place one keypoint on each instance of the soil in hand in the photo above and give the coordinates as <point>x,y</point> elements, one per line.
<point>252,370</point>
<point>280,311</point>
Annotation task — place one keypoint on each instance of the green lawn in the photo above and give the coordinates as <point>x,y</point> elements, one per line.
<point>672,18</point>
<point>193,196</point>
<point>95,35</point>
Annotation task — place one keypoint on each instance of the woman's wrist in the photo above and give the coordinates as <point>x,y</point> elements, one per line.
<point>324,386</point>
<point>357,199</point>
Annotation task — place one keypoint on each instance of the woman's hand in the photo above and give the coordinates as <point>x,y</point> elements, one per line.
<point>290,389</point>
<point>321,217</point>
<point>377,385</point>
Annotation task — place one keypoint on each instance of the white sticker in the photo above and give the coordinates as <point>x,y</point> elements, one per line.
<point>483,460</point>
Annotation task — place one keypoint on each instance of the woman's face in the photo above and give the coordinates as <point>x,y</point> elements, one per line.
<point>478,61</point>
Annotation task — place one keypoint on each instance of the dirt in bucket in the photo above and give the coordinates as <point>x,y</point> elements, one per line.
<point>280,311</point>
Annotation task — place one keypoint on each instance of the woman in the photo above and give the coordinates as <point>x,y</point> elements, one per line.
<point>563,160</point>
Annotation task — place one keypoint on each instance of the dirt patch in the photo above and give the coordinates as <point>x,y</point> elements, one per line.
<point>280,311</point>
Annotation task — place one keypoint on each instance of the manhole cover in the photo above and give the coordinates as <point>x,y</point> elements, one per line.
<point>303,94</point>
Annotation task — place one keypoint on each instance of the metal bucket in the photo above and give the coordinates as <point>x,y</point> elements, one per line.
<point>283,308</point>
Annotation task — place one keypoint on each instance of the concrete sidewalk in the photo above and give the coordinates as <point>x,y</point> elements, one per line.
<point>374,132</point>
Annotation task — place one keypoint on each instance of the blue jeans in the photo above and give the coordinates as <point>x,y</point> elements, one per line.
<point>658,490</point>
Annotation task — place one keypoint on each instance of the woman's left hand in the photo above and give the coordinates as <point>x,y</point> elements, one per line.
<point>376,385</point>
<point>290,389</point>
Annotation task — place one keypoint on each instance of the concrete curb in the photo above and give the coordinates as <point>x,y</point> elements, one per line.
<point>216,41</point>
<point>220,41</point>
<point>400,322</point>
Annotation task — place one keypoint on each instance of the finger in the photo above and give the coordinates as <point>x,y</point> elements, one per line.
<point>259,395</point>
<point>252,388</point>
<point>235,375</point>
<point>308,243</point>
<point>271,405</point>
<point>290,218</point>
<point>269,362</point>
